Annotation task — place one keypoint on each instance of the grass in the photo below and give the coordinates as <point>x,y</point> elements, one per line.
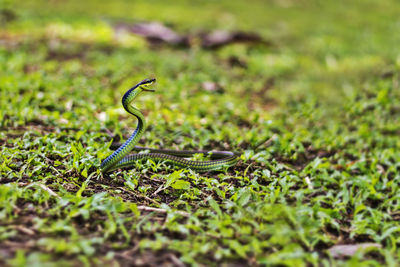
<point>315,116</point>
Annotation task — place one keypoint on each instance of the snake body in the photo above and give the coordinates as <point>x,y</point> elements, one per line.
<point>121,158</point>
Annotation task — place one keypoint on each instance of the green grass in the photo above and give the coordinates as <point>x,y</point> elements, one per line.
<point>315,115</point>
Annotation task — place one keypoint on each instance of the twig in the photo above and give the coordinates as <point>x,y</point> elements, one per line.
<point>176,261</point>
<point>108,132</point>
<point>50,161</point>
<point>51,192</point>
<point>24,230</point>
<point>267,142</point>
<point>139,195</point>
<point>126,257</point>
<point>55,170</point>
<point>287,167</point>
<point>162,211</point>
<point>159,189</point>
<point>19,245</point>
<point>131,251</point>
<point>149,199</point>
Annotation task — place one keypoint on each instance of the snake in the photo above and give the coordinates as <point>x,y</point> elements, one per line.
<point>121,159</point>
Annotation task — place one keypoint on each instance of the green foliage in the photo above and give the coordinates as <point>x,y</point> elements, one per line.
<point>315,115</point>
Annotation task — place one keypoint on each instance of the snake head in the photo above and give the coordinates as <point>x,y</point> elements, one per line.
<point>145,84</point>
<point>132,93</point>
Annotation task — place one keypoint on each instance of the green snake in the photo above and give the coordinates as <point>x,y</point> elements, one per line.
<point>122,159</point>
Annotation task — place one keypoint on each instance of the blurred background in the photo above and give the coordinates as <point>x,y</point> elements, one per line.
<point>301,45</point>
<point>244,55</point>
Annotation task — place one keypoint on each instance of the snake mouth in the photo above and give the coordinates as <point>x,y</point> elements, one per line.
<point>144,85</point>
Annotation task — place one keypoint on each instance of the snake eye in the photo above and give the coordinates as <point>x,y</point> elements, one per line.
<point>147,82</point>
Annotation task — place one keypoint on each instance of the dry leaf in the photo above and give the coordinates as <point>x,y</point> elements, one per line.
<point>349,250</point>
<point>155,32</point>
<point>219,38</point>
<point>212,87</point>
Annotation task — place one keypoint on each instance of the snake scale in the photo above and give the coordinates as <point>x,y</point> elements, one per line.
<point>122,159</point>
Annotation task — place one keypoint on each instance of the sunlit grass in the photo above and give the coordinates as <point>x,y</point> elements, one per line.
<point>315,116</point>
